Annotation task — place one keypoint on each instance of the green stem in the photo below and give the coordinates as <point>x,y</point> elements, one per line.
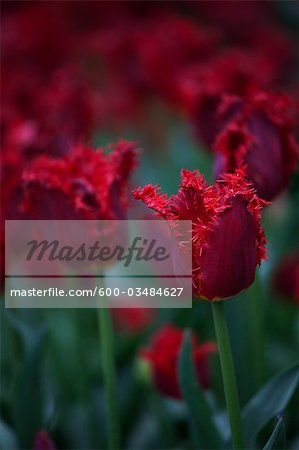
<point>106,342</point>
<point>228,375</point>
<point>257,330</point>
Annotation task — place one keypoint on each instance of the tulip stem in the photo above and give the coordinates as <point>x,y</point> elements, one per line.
<point>228,375</point>
<point>257,330</point>
<point>109,375</point>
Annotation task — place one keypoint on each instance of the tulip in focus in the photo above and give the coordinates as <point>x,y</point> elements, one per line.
<point>228,239</point>
<point>163,354</point>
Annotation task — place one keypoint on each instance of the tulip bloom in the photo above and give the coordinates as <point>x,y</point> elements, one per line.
<point>163,355</point>
<point>86,184</point>
<point>228,239</point>
<point>258,134</point>
<point>201,87</point>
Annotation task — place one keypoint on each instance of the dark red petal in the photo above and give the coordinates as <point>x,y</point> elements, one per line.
<point>151,196</point>
<point>228,260</point>
<point>265,159</point>
<point>58,205</point>
<point>188,204</point>
<point>258,135</point>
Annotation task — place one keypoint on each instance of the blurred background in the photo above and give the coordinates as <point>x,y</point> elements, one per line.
<point>89,73</point>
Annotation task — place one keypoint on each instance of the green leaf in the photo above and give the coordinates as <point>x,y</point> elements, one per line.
<point>204,430</point>
<point>277,439</point>
<point>269,402</point>
<point>27,401</point>
<point>164,420</point>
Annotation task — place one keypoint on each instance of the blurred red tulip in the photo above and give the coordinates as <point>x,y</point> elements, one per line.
<point>259,135</point>
<point>85,184</point>
<point>163,354</point>
<point>201,86</point>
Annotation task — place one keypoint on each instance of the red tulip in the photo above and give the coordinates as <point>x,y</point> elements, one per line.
<point>163,358</point>
<point>258,134</point>
<point>228,238</point>
<point>234,71</point>
<point>86,184</point>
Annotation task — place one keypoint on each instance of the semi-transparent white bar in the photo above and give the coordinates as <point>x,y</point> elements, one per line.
<point>145,263</point>
<point>112,292</point>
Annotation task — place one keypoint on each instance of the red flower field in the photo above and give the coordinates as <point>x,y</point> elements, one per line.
<point>162,112</point>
